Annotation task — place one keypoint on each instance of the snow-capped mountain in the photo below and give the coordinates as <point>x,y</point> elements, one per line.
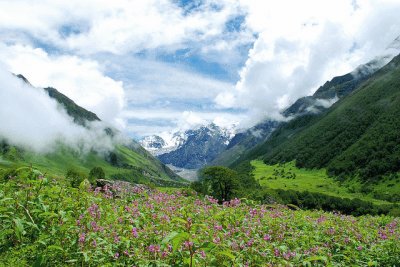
<point>192,148</point>
<point>158,145</point>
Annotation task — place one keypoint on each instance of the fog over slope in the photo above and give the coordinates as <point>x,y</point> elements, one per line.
<point>31,119</point>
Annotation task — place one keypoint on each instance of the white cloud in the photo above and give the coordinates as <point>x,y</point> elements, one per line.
<point>31,119</point>
<point>180,120</point>
<point>301,44</point>
<point>147,81</point>
<point>117,26</point>
<point>82,80</point>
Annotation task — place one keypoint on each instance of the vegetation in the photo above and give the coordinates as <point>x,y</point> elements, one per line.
<point>75,177</point>
<point>47,222</point>
<point>288,177</point>
<point>95,174</point>
<point>359,137</point>
<point>124,163</point>
<point>225,184</point>
<point>219,182</point>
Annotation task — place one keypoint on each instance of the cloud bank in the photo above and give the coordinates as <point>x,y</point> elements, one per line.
<point>31,119</point>
<point>302,44</point>
<point>80,79</point>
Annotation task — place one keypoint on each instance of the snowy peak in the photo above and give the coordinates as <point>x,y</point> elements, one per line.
<point>192,148</point>
<point>153,142</point>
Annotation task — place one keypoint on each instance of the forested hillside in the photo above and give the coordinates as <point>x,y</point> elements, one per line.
<point>358,136</point>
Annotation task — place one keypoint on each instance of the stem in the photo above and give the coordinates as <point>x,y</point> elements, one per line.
<point>27,212</point>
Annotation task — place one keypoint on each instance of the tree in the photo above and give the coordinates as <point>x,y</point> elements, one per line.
<point>220,182</point>
<point>96,173</point>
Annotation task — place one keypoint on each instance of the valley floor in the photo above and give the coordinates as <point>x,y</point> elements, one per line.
<point>288,177</point>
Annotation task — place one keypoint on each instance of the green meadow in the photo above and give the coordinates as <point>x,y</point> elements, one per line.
<point>288,177</point>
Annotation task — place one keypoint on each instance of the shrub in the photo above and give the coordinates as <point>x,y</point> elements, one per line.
<point>96,173</point>
<point>74,177</point>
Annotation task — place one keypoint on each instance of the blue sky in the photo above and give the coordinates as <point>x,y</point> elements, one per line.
<point>156,66</point>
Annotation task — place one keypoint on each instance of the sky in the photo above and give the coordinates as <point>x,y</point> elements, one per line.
<point>148,67</point>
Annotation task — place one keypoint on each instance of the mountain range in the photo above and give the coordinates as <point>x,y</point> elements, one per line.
<point>218,148</point>
<point>191,149</point>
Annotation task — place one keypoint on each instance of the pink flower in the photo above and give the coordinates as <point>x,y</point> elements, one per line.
<point>153,248</point>
<point>82,238</point>
<point>203,254</point>
<point>217,240</point>
<point>218,227</point>
<point>359,248</point>
<point>276,252</point>
<point>267,237</point>
<point>188,244</point>
<point>134,232</point>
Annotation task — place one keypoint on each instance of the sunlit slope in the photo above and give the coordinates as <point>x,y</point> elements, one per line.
<point>123,163</point>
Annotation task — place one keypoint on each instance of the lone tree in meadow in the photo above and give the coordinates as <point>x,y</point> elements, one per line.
<point>220,182</point>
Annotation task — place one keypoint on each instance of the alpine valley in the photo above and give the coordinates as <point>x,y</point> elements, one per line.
<point>200,133</point>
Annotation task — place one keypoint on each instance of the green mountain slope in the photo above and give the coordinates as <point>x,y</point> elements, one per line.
<point>358,136</point>
<point>125,162</point>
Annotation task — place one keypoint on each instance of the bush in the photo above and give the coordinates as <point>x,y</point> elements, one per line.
<point>96,173</point>
<point>75,177</point>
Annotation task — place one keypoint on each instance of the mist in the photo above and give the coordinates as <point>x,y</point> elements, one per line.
<point>29,118</point>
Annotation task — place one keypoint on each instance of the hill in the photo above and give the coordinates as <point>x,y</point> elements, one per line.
<point>308,106</point>
<point>357,137</point>
<point>127,160</point>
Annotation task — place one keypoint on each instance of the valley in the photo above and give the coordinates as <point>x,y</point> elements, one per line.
<point>200,133</point>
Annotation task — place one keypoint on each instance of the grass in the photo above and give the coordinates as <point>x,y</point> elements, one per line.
<point>281,177</point>
<point>136,166</point>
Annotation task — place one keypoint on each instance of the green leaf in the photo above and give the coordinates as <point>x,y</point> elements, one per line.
<point>317,258</point>
<point>54,247</point>
<point>169,237</point>
<point>19,228</point>
<point>207,246</point>
<point>228,253</point>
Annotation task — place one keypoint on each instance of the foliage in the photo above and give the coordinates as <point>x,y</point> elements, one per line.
<point>96,173</point>
<point>220,182</point>
<point>288,177</point>
<point>46,222</point>
<point>74,177</point>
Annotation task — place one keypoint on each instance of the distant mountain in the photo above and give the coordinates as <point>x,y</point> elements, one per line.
<point>80,115</point>
<point>199,147</point>
<point>128,161</point>
<point>308,106</point>
<point>341,86</point>
<point>244,141</point>
<point>359,136</point>
<point>156,145</point>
